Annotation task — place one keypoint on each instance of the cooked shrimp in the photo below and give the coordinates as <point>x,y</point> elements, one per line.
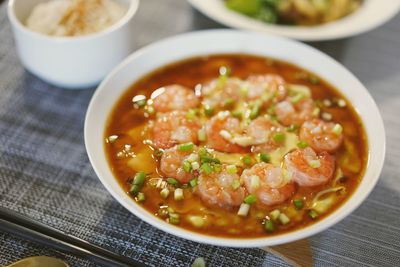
<point>295,114</point>
<point>171,164</point>
<point>268,183</point>
<point>309,169</point>
<point>218,189</point>
<point>215,129</point>
<point>175,97</point>
<point>217,92</point>
<point>261,131</point>
<point>174,128</point>
<point>269,83</point>
<point>320,135</point>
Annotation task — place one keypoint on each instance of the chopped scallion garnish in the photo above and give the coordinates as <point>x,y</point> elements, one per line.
<point>231,169</point>
<point>313,214</point>
<point>164,193</point>
<point>337,129</point>
<point>208,111</point>
<point>315,163</point>
<point>246,160</point>
<point>173,182</point>
<point>274,215</point>
<point>298,203</point>
<point>283,218</point>
<point>206,168</point>
<point>243,210</point>
<point>178,194</point>
<point>255,111</point>
<point>201,135</point>
<point>264,157</point>
<point>139,178</point>
<point>185,147</point>
<point>279,137</point>
<point>235,184</point>
<point>250,199</point>
<point>193,182</point>
<point>269,226</point>
<point>187,166</point>
<point>302,144</point>
<point>195,165</point>
<point>140,197</point>
<point>237,114</point>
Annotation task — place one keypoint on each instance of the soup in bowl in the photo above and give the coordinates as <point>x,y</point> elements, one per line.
<point>234,138</point>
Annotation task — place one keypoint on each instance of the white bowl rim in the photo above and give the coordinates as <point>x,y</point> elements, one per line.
<point>291,236</point>
<point>132,9</point>
<point>337,29</point>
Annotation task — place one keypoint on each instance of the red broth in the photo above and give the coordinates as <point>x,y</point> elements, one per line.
<point>129,152</point>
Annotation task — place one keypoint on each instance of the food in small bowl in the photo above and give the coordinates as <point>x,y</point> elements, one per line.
<point>67,43</point>
<point>227,143</point>
<point>74,18</point>
<point>294,12</point>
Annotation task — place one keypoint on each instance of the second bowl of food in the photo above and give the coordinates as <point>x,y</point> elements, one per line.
<point>234,138</point>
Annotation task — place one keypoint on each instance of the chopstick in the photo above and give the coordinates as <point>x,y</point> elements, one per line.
<point>26,228</point>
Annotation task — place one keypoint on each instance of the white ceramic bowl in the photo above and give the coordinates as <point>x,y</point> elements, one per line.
<point>229,41</point>
<point>371,14</point>
<point>71,62</point>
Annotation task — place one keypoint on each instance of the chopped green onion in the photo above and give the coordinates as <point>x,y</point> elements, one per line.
<point>246,160</point>
<point>316,111</point>
<point>196,221</point>
<point>174,218</point>
<point>208,159</point>
<point>201,135</point>
<point>178,194</point>
<point>296,98</point>
<point>302,144</point>
<point>284,219</point>
<point>193,182</point>
<point>292,128</point>
<point>298,203</point>
<point>140,103</point>
<point>315,163</point>
<point>237,114</point>
<point>217,167</point>
<point>243,210</point>
<point>187,166</point>
<point>191,114</point>
<point>139,178</point>
<point>134,189</point>
<point>225,134</point>
<point>208,111</point>
<point>279,137</point>
<point>255,182</point>
<point>229,102</point>
<point>163,212</point>
<point>195,165</point>
<point>173,182</point>
<point>264,157</point>
<point>185,147</point>
<point>326,116</point>
<point>140,197</point>
<point>231,169</point>
<point>206,168</point>
<point>341,103</point>
<point>250,199</point>
<point>255,111</point>
<point>274,215</point>
<point>313,214</point>
<point>150,109</point>
<point>199,262</point>
<point>164,193</point>
<point>235,184</point>
<point>269,226</point>
<point>337,129</point>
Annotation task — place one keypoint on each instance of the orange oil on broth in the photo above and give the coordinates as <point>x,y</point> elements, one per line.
<point>128,123</point>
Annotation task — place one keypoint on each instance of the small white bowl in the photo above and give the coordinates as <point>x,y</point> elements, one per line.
<point>370,15</point>
<point>229,41</point>
<point>71,62</point>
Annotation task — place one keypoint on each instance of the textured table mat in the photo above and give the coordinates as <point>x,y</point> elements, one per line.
<point>45,173</point>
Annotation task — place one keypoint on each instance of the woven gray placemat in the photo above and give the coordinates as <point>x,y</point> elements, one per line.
<point>45,173</point>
